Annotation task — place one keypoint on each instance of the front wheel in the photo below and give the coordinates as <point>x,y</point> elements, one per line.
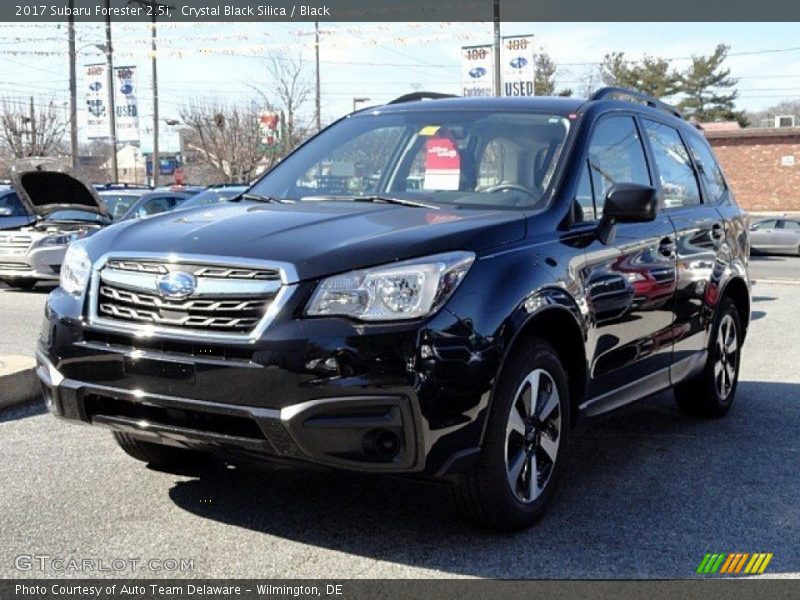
<point>711,392</point>
<point>524,446</point>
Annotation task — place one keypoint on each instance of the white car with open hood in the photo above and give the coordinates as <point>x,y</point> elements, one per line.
<point>66,208</point>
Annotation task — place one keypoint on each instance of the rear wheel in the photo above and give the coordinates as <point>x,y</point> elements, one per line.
<point>711,392</point>
<point>158,454</point>
<point>524,446</point>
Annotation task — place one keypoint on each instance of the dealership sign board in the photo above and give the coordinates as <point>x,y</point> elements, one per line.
<point>96,102</point>
<point>477,71</point>
<point>517,67</point>
<point>125,101</point>
<point>125,104</point>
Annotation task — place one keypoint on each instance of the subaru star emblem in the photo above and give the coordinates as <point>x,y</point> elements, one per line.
<point>518,62</point>
<point>176,285</point>
<point>95,86</point>
<point>477,72</point>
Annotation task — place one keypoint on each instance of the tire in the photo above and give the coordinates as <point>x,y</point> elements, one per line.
<point>710,393</point>
<point>21,284</point>
<point>485,494</point>
<point>158,454</point>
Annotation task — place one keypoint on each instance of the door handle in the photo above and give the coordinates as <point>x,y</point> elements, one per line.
<point>717,232</point>
<point>667,247</point>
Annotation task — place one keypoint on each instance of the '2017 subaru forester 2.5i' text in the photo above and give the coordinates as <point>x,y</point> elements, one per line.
<point>436,287</point>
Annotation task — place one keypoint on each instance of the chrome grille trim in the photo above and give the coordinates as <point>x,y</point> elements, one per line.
<point>15,244</point>
<point>147,314</point>
<point>138,266</point>
<point>193,321</point>
<point>223,273</point>
<point>157,302</point>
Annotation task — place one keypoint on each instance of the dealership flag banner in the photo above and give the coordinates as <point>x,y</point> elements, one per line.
<point>96,102</point>
<point>477,71</point>
<point>126,105</point>
<point>517,67</point>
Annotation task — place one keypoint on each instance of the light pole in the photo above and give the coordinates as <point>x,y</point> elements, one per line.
<point>112,122</point>
<point>359,100</point>
<point>73,88</point>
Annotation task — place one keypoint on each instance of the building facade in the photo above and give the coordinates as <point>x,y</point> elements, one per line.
<point>761,165</point>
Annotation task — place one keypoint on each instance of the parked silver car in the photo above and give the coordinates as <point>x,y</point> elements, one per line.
<point>65,207</point>
<point>779,235</point>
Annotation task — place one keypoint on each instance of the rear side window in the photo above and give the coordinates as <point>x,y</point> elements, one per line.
<point>616,155</point>
<point>709,170</point>
<point>678,180</point>
<point>793,225</point>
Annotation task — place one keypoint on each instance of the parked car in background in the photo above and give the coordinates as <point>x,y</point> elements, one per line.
<point>119,202</point>
<point>63,207</point>
<point>154,203</point>
<point>12,210</point>
<point>780,235</point>
<point>214,195</point>
<point>191,189</point>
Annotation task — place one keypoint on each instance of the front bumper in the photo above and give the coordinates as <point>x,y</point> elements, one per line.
<point>373,433</point>
<point>37,263</point>
<point>322,391</point>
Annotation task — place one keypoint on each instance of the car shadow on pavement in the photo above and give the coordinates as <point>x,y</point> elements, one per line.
<point>647,492</point>
<point>23,411</point>
<point>39,289</point>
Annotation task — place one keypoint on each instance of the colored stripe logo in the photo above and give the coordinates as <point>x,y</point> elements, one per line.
<point>733,563</point>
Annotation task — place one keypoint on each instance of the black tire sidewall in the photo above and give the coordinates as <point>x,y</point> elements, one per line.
<point>726,308</point>
<point>537,355</point>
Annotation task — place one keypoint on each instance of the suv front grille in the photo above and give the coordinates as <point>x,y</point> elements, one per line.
<point>11,243</point>
<point>227,299</point>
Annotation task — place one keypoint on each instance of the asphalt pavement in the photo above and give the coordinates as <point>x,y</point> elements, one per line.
<point>775,267</point>
<point>647,493</point>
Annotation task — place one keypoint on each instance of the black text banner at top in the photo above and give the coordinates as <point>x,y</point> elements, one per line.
<point>166,11</point>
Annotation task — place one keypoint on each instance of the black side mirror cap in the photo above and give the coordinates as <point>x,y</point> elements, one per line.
<point>627,203</point>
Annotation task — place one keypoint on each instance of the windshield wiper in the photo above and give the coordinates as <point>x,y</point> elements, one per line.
<point>400,201</point>
<point>260,198</point>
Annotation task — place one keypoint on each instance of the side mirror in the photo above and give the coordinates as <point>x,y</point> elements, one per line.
<point>627,203</point>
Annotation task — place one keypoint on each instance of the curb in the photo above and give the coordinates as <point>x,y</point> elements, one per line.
<point>18,381</point>
<point>777,281</point>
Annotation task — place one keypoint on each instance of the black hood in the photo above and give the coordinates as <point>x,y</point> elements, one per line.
<point>46,185</point>
<point>319,238</point>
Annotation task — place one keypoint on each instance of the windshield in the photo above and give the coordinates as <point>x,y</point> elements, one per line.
<point>456,157</point>
<point>214,196</point>
<point>118,204</point>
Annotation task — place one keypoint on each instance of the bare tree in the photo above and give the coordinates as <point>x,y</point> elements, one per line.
<point>289,89</point>
<point>26,131</point>
<point>226,137</point>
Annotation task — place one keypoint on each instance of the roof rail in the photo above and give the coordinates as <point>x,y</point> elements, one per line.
<point>621,93</point>
<point>414,96</point>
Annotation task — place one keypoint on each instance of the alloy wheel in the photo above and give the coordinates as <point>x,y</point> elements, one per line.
<point>533,434</point>
<point>727,356</point>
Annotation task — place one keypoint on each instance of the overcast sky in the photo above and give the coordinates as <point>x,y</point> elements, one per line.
<point>378,61</point>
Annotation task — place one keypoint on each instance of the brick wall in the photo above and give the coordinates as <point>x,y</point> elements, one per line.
<point>752,161</point>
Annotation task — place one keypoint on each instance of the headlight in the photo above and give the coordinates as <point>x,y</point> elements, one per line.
<point>61,239</point>
<point>405,290</point>
<point>76,268</point>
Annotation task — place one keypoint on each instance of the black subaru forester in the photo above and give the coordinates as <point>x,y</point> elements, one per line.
<point>437,287</point>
